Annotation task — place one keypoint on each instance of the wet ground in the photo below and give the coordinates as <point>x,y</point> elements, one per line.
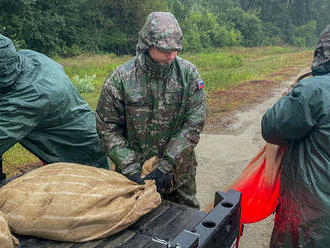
<point>222,154</point>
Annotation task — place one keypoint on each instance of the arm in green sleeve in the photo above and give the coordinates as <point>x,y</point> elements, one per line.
<point>19,115</point>
<point>110,123</point>
<point>292,116</point>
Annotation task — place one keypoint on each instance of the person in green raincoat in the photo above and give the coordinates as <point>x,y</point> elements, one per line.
<point>154,105</point>
<point>301,121</point>
<point>42,110</point>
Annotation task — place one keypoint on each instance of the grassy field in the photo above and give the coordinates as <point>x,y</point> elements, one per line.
<point>220,69</point>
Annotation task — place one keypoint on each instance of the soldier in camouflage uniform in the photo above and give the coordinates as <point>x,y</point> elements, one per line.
<point>154,105</point>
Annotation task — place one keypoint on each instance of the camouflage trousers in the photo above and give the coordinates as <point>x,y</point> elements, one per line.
<point>185,194</point>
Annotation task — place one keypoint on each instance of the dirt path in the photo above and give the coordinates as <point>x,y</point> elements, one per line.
<point>223,156</point>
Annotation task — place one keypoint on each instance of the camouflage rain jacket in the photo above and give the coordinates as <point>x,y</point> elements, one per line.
<point>42,110</point>
<point>301,120</point>
<point>148,109</point>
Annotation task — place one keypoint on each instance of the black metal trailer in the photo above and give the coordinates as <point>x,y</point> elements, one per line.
<point>169,225</point>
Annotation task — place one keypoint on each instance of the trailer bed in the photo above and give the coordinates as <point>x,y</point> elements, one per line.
<point>173,225</point>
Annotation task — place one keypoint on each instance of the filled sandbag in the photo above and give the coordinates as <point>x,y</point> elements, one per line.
<point>77,203</point>
<point>7,240</point>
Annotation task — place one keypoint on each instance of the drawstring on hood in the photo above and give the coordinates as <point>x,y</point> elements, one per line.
<point>11,62</point>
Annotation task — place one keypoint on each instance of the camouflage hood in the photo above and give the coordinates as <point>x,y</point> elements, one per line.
<point>11,62</point>
<point>161,30</point>
<point>321,62</point>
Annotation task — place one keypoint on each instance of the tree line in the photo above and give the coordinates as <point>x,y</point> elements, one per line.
<point>72,27</point>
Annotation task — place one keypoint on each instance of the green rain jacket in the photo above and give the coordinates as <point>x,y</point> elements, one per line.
<point>301,120</point>
<point>43,111</point>
<point>147,109</point>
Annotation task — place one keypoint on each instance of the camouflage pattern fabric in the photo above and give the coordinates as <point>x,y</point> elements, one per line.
<point>321,62</point>
<point>160,30</point>
<point>147,109</point>
<point>186,194</point>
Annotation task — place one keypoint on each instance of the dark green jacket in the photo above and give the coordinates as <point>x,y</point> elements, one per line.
<point>146,109</point>
<point>43,111</point>
<point>301,120</point>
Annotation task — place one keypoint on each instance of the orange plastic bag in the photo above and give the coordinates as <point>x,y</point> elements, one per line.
<point>260,184</point>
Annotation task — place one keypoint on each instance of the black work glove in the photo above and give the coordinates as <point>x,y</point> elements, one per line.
<point>136,178</point>
<point>163,181</point>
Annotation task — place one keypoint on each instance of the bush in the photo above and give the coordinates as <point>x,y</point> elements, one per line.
<point>228,38</point>
<point>299,41</point>
<point>248,24</point>
<point>84,84</point>
<point>305,35</point>
<point>192,40</point>
<point>201,31</point>
<point>75,50</point>
<point>273,35</point>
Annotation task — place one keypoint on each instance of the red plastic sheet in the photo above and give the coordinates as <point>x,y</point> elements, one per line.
<point>260,184</point>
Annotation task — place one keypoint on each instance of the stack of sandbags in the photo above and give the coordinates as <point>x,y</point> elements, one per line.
<point>71,202</point>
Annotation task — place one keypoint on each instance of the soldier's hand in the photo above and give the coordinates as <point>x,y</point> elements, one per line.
<point>163,181</point>
<point>136,178</point>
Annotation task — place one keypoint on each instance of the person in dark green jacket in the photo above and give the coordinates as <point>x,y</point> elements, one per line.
<point>154,105</point>
<point>301,121</point>
<point>42,110</point>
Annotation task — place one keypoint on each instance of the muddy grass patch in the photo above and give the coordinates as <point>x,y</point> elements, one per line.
<point>222,103</point>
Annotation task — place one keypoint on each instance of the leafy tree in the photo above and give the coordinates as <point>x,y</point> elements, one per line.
<point>322,15</point>
<point>128,17</point>
<point>12,19</point>
<point>272,35</point>
<point>305,34</point>
<point>181,8</point>
<point>70,27</point>
<point>302,11</point>
<point>201,30</point>
<point>248,24</point>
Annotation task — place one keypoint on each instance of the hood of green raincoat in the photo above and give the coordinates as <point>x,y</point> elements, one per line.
<point>11,62</point>
<point>321,62</point>
<point>160,30</point>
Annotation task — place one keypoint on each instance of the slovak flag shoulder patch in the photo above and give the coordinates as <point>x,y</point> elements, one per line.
<point>200,84</point>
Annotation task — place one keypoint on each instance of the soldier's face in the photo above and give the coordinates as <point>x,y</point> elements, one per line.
<point>162,57</point>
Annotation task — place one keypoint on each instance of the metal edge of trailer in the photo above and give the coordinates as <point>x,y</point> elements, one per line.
<point>220,228</point>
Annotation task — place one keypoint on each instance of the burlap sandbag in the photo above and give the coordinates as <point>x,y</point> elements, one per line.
<point>71,202</point>
<point>7,240</point>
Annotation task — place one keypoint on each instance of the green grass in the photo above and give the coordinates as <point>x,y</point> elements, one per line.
<point>224,68</point>
<point>99,65</point>
<point>219,68</point>
<point>253,52</point>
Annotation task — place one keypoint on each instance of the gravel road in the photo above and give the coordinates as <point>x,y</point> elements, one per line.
<point>223,156</point>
